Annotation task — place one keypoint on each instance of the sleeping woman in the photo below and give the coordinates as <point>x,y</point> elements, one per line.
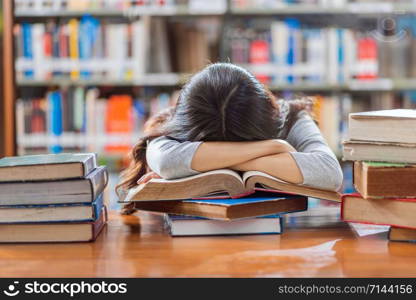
<point>225,118</point>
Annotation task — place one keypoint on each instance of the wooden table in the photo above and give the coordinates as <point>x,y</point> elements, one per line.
<point>139,246</point>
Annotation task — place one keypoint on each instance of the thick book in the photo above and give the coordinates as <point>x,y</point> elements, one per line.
<point>394,126</point>
<point>385,180</point>
<point>397,234</point>
<point>393,212</point>
<point>258,204</point>
<point>83,190</point>
<point>53,232</point>
<point>379,151</point>
<point>191,226</point>
<point>46,166</point>
<point>74,212</point>
<point>220,181</point>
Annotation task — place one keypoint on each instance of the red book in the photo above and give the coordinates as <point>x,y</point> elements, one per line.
<point>367,56</point>
<point>259,54</point>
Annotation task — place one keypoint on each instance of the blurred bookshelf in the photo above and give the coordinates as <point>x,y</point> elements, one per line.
<point>118,62</point>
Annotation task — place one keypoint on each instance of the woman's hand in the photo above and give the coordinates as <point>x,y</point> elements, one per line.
<point>147,177</point>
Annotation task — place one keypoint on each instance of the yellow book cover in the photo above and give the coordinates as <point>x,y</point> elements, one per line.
<point>73,26</point>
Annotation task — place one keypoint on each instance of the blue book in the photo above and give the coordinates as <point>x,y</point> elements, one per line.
<point>341,55</point>
<point>52,213</point>
<point>27,47</point>
<point>293,26</point>
<point>192,226</point>
<point>55,120</point>
<point>87,36</point>
<point>257,204</point>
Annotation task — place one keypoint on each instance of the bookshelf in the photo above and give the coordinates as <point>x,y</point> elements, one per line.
<point>223,30</point>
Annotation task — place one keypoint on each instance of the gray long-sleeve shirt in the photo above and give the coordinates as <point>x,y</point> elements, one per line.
<point>318,165</point>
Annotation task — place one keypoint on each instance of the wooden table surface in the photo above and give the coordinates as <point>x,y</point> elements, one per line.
<point>139,246</point>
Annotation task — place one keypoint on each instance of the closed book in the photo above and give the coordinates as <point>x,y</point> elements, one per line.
<point>385,180</point>
<point>393,212</point>
<point>402,235</point>
<point>258,204</point>
<point>190,226</point>
<point>83,190</point>
<point>53,232</point>
<point>50,213</point>
<point>391,126</point>
<point>46,166</point>
<point>379,151</point>
<point>225,181</point>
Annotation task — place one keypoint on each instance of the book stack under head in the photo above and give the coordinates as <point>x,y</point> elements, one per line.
<point>222,202</point>
<point>51,198</point>
<point>382,145</point>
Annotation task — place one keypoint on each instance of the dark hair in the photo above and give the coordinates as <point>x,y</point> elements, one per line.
<point>223,102</point>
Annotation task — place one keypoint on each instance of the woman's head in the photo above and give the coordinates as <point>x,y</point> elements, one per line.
<point>224,102</point>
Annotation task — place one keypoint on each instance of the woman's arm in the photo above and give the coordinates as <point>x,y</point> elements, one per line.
<point>172,159</point>
<point>282,166</point>
<point>313,165</point>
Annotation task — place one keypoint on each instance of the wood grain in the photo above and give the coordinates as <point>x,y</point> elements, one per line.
<point>139,246</point>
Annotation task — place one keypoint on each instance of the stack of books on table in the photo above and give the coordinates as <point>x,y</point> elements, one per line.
<point>382,145</point>
<point>222,202</point>
<point>51,198</point>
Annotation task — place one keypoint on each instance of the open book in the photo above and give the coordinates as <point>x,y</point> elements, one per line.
<point>218,182</point>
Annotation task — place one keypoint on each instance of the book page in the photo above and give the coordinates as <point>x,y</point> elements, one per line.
<point>248,174</point>
<point>220,171</point>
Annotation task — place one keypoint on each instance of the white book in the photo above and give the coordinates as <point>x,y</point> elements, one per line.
<point>193,226</point>
<point>141,46</point>
<point>280,35</point>
<point>38,31</point>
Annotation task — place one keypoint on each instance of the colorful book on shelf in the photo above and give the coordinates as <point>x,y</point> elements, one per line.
<point>389,126</point>
<point>397,234</point>
<point>385,180</point>
<point>219,182</point>
<point>52,213</point>
<point>258,204</point>
<point>55,120</point>
<point>46,166</point>
<point>83,190</point>
<point>118,121</point>
<point>194,226</point>
<point>397,212</point>
<point>53,232</point>
<point>73,29</point>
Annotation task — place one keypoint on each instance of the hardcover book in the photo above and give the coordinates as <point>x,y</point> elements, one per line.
<point>402,235</point>
<point>74,212</point>
<point>258,204</point>
<point>392,126</point>
<point>379,151</point>
<point>191,226</point>
<point>392,212</point>
<point>53,232</point>
<point>220,181</point>
<point>385,180</point>
<point>46,166</point>
<point>84,190</point>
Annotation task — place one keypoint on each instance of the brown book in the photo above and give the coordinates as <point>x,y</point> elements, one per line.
<point>259,204</point>
<point>397,234</point>
<point>385,180</point>
<point>219,182</point>
<point>394,126</point>
<point>379,151</point>
<point>53,232</point>
<point>393,212</point>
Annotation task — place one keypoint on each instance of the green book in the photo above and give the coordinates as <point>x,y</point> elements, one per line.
<point>46,166</point>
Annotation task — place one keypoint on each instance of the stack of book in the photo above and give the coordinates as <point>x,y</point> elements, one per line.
<point>382,145</point>
<point>51,198</point>
<point>222,202</point>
